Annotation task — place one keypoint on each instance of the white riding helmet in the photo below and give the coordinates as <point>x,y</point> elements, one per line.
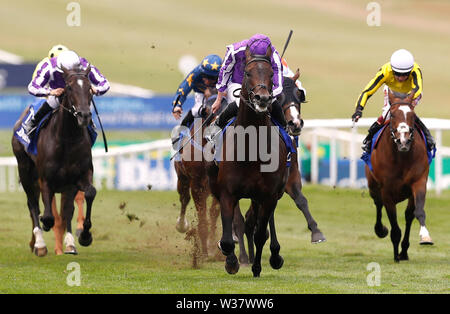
<point>69,60</point>
<point>402,61</point>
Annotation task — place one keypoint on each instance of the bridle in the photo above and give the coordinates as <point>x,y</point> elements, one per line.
<point>71,108</point>
<point>251,93</point>
<point>391,129</point>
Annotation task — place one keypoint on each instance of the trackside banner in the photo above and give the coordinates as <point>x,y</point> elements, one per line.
<point>115,112</point>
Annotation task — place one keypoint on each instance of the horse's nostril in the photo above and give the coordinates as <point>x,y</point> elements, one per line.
<point>257,97</point>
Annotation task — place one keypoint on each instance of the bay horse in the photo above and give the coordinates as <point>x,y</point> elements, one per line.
<point>190,167</point>
<point>290,101</point>
<point>234,179</point>
<point>400,172</point>
<point>63,163</point>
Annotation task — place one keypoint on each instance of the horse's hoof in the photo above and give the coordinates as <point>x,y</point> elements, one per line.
<point>426,240</point>
<point>85,238</point>
<point>381,233</point>
<point>232,264</point>
<point>182,226</point>
<point>47,222</point>
<point>403,257</point>
<point>71,250</point>
<point>40,251</point>
<point>256,270</point>
<point>243,260</point>
<point>317,237</point>
<point>276,261</point>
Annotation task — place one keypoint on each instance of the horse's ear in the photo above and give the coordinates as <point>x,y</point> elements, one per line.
<point>248,54</point>
<point>88,70</point>
<point>65,72</point>
<point>390,96</point>
<point>297,75</point>
<point>269,52</point>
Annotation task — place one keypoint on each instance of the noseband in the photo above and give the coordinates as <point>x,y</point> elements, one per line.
<point>252,102</point>
<point>71,108</point>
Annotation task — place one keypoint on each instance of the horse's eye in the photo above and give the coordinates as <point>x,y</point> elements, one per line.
<point>247,74</point>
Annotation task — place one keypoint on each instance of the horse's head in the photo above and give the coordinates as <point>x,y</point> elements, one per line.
<point>290,100</point>
<point>402,120</point>
<point>257,83</point>
<point>77,95</point>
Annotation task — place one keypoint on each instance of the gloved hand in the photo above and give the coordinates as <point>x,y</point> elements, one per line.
<point>357,114</point>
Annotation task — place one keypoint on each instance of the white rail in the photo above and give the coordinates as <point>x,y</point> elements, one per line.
<point>127,167</point>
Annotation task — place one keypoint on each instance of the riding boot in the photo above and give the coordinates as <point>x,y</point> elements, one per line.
<point>230,111</point>
<point>187,121</point>
<point>31,124</point>
<point>374,128</point>
<point>277,114</point>
<point>431,144</point>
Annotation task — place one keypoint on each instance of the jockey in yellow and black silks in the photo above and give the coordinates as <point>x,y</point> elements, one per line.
<point>401,75</point>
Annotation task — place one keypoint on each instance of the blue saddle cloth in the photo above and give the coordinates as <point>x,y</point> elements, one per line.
<point>290,146</point>
<point>366,156</point>
<point>30,144</point>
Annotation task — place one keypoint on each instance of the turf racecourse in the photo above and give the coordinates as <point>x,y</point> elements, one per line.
<point>136,249</point>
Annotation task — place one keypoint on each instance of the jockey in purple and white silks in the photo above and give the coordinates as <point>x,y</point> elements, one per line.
<point>49,83</point>
<point>232,73</point>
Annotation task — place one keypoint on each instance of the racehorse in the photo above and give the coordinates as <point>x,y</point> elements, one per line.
<point>400,172</point>
<point>290,100</point>
<point>235,179</point>
<point>63,163</point>
<point>192,179</point>
<point>60,228</point>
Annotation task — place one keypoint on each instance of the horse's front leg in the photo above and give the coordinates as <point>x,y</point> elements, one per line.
<point>396,232</point>
<point>265,211</point>
<point>226,244</point>
<point>85,238</point>
<point>67,210</point>
<point>48,220</point>
<point>276,260</point>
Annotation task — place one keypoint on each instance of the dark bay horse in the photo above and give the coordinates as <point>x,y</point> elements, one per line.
<point>291,103</point>
<point>400,172</point>
<point>63,163</point>
<point>234,178</point>
<point>190,167</point>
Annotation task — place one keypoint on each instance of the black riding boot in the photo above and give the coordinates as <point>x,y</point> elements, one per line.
<point>31,125</point>
<point>176,133</point>
<point>374,128</point>
<point>230,111</point>
<point>188,119</point>
<point>277,114</point>
<point>431,144</point>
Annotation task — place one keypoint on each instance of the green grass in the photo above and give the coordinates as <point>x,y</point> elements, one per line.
<point>150,256</point>
<point>140,42</point>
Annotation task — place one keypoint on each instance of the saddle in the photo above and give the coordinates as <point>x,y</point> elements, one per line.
<point>30,143</point>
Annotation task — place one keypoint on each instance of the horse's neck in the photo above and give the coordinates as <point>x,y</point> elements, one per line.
<point>247,116</point>
<point>65,126</point>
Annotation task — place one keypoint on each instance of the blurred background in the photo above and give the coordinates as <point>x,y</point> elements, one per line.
<point>145,48</point>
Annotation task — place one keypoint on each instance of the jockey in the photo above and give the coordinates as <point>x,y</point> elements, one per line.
<point>232,74</point>
<point>287,72</point>
<point>50,83</point>
<point>199,79</point>
<point>401,75</point>
<point>53,52</point>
